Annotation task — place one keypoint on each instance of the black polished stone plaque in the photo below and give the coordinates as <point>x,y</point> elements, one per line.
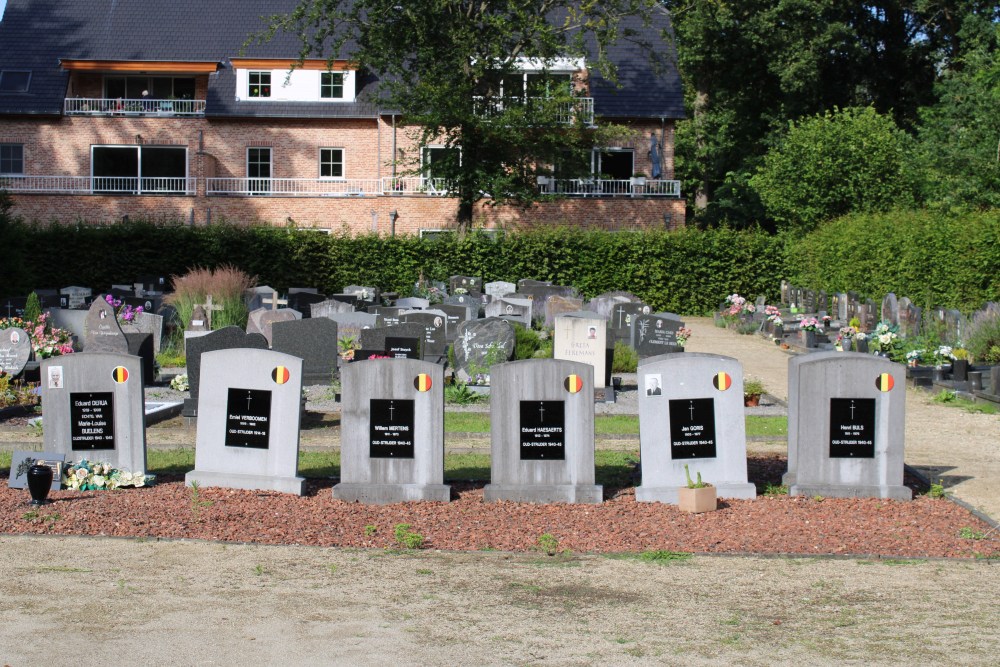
<point>402,348</point>
<point>543,431</point>
<point>852,428</point>
<point>692,428</point>
<point>390,428</point>
<point>92,420</point>
<point>248,418</point>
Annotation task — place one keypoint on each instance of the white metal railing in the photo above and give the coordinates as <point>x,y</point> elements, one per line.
<point>293,187</point>
<point>102,106</point>
<point>414,185</point>
<point>598,187</point>
<point>566,112</point>
<point>99,185</point>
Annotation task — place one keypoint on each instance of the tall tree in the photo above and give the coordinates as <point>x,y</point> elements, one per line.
<point>443,65</point>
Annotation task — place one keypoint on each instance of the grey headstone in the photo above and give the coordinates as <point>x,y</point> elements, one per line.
<point>303,301</point>
<point>199,320</point>
<point>329,307</point>
<point>528,282</point>
<point>910,318</point>
<point>540,293</point>
<point>869,314</point>
<point>150,323</point>
<point>470,284</point>
<point>542,433</point>
<point>413,303</point>
<point>840,311</point>
<point>620,324</point>
<point>890,309</point>
<point>248,422</point>
<point>74,321</point>
<point>690,414</point>
<point>93,412</point>
<point>954,326</point>
<point>512,308</point>
<point>656,334</point>
<point>846,426</point>
<point>375,339</point>
<point>21,460</point>
<point>76,296</point>
<point>366,294</point>
<point>350,325</point>
<point>102,331</point>
<point>393,433</point>
<point>499,288</point>
<point>221,339</point>
<point>583,337</point>
<point>456,315</point>
<point>822,302</point>
<point>480,341</point>
<point>603,304</point>
<point>389,314</point>
<point>808,301</point>
<point>786,288</point>
<point>556,305</point>
<point>15,350</point>
<point>269,318</point>
<point>256,296</point>
<point>312,340</point>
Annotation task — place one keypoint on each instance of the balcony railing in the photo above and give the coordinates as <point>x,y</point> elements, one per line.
<point>414,185</point>
<point>600,187</point>
<point>293,187</point>
<point>581,108</point>
<point>85,185</point>
<point>101,106</point>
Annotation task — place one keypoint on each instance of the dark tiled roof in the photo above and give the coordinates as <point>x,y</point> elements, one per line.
<point>37,34</point>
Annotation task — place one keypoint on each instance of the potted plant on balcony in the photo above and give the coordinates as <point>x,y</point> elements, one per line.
<point>697,496</point>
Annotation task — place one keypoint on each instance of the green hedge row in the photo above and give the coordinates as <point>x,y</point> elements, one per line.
<point>933,258</point>
<point>688,271</point>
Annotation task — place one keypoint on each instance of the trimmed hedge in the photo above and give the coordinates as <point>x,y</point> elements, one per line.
<point>687,271</point>
<point>933,258</point>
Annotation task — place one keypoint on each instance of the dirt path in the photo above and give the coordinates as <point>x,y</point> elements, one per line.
<point>81,600</point>
<point>959,448</point>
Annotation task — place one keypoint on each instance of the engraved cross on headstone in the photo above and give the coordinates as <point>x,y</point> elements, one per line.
<point>691,410</point>
<point>541,413</point>
<point>248,400</point>
<point>392,409</point>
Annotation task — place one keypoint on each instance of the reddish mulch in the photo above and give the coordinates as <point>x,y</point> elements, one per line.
<point>924,527</point>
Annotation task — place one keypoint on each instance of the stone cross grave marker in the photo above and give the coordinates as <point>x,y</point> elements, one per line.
<point>393,433</point>
<point>542,433</point>
<point>248,421</point>
<point>95,408</point>
<point>691,412</point>
<point>846,426</point>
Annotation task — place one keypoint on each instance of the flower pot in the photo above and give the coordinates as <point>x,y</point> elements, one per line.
<point>696,501</point>
<point>861,346</point>
<point>39,483</point>
<point>960,370</point>
<point>808,338</point>
<point>751,400</point>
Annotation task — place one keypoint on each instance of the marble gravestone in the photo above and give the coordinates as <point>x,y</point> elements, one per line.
<point>77,297</point>
<point>556,305</point>
<point>314,341</point>
<point>470,284</point>
<point>622,315</point>
<point>512,308</point>
<point>457,314</point>
<point>846,426</point>
<point>393,433</point>
<point>481,343</point>
<point>499,288</point>
<point>401,341</point>
<point>388,314</point>
<point>413,303</point>
<point>603,304</point>
<point>95,408</point>
<point>15,350</point>
<point>691,412</point>
<point>269,318</point>
<point>303,301</point>
<point>890,309</point>
<point>435,322</point>
<point>656,334</point>
<point>248,421</point>
<point>542,433</point>
<point>583,337</point>
<point>326,308</point>
<point>103,334</point>
<point>221,339</point>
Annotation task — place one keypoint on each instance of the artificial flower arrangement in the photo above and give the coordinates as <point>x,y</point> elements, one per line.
<point>124,312</point>
<point>772,313</point>
<point>739,305</point>
<point>942,355</point>
<point>180,382</point>
<point>809,324</point>
<point>87,476</point>
<point>913,357</point>
<point>46,340</point>
<point>683,335</point>
<point>885,340</point>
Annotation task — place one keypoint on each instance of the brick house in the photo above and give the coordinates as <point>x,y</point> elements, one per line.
<point>113,108</point>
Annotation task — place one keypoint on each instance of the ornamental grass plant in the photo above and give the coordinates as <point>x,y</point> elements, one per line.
<point>227,284</point>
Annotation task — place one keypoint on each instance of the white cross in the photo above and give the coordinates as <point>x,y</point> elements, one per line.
<point>852,410</point>
<point>541,412</point>
<point>248,400</point>
<point>691,409</point>
<point>391,410</point>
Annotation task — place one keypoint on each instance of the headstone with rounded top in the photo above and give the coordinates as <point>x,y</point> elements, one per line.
<point>15,350</point>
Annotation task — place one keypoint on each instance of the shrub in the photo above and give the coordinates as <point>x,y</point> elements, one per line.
<point>626,359</point>
<point>33,308</point>
<point>984,335</point>
<point>227,285</point>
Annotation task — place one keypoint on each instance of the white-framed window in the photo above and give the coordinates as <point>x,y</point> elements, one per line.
<point>331,163</point>
<point>259,84</point>
<point>12,159</point>
<point>331,86</point>
<point>14,81</point>
<point>259,169</point>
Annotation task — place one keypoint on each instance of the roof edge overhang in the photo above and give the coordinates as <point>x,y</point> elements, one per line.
<point>292,63</point>
<point>144,66</point>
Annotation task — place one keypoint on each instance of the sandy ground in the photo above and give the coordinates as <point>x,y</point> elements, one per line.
<point>85,600</point>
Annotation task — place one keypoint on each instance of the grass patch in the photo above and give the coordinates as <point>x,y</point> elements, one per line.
<point>767,426</point>
<point>5,459</point>
<point>946,397</point>
<point>659,556</point>
<point>479,422</point>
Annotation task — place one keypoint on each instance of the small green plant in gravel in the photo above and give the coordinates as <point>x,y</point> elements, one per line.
<point>936,490</point>
<point>370,530</point>
<point>548,543</point>
<point>406,538</point>
<point>775,490</point>
<point>460,394</point>
<point>967,533</point>
<point>197,502</point>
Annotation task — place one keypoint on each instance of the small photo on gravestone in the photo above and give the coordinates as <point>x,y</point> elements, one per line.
<point>654,385</point>
<point>391,429</point>
<point>543,430</point>
<point>248,418</point>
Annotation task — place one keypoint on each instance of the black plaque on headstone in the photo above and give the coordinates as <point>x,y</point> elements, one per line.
<point>248,418</point>
<point>852,428</point>
<point>402,348</point>
<point>543,431</point>
<point>692,428</point>
<point>390,428</point>
<point>92,420</point>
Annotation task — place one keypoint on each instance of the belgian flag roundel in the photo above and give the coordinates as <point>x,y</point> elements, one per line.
<point>422,382</point>
<point>722,380</point>
<point>573,383</point>
<point>884,382</point>
<point>120,374</point>
<point>281,375</point>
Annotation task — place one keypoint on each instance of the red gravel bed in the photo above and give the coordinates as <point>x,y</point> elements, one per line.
<point>924,527</point>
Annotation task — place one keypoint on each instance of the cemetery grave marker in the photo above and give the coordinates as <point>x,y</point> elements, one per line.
<point>499,288</point>
<point>542,432</point>
<point>480,344</point>
<point>470,284</point>
<point>511,308</point>
<point>620,324</point>
<point>582,337</point>
<point>312,340</point>
<point>656,334</point>
<point>691,412</point>
<point>248,421</point>
<point>329,307</point>
<point>393,433</point>
<point>103,334</point>
<point>435,322</point>
<point>15,350</point>
<point>221,339</point>
<point>21,460</point>
<point>77,297</point>
<point>556,305</point>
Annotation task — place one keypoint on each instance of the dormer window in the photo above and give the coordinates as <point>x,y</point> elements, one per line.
<point>331,86</point>
<point>14,81</point>
<point>260,84</point>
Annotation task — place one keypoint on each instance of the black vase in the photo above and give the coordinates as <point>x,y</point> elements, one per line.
<point>39,483</point>
<point>960,370</point>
